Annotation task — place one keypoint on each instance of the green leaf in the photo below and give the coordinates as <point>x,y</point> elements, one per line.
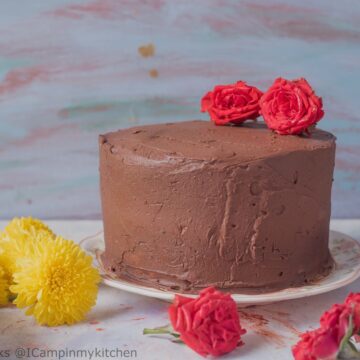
<point>353,347</point>
<point>178,341</point>
<point>347,335</point>
<point>347,350</point>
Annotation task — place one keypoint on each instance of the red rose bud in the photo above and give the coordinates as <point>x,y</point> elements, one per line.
<point>209,324</point>
<point>337,318</point>
<point>291,107</point>
<point>316,345</point>
<point>232,103</point>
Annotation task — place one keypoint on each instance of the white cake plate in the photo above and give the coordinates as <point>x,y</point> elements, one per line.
<point>344,249</point>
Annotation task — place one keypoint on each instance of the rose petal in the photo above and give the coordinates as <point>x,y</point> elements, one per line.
<point>290,107</point>
<point>233,103</point>
<point>208,324</point>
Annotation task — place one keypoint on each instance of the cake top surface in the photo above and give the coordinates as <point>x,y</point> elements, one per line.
<point>202,140</point>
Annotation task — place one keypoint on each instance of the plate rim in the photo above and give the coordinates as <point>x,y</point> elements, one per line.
<point>290,293</point>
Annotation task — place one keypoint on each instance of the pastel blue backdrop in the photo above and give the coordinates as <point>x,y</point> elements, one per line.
<point>71,69</point>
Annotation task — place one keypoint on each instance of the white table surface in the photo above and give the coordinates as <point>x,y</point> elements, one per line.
<point>118,319</point>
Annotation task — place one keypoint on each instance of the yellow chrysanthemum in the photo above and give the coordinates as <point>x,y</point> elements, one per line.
<point>57,282</point>
<point>4,288</point>
<point>15,239</point>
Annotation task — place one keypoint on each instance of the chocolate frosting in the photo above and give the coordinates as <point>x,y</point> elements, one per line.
<point>189,205</point>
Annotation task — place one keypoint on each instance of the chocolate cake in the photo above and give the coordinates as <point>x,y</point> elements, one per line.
<point>189,205</point>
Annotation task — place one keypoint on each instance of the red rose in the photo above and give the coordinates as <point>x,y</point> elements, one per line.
<point>290,107</point>
<point>337,319</point>
<point>317,344</point>
<point>208,324</point>
<point>232,103</point>
<point>353,301</point>
<point>325,342</point>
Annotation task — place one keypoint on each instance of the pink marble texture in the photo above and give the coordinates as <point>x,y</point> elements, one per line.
<point>72,69</point>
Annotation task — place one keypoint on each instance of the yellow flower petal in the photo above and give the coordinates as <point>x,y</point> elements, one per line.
<point>15,239</point>
<point>4,288</point>
<point>56,282</point>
